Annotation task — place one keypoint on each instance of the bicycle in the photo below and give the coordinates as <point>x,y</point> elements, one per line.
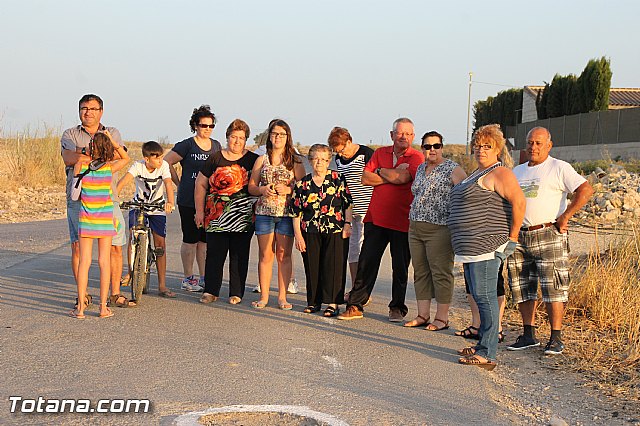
<point>142,255</point>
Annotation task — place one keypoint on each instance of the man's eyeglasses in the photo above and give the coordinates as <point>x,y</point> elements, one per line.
<point>404,134</point>
<point>428,147</point>
<point>279,135</point>
<point>484,147</point>
<point>204,126</point>
<point>85,109</point>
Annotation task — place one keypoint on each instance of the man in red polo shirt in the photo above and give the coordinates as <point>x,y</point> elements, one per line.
<point>390,171</point>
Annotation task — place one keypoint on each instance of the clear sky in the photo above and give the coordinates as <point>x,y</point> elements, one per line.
<point>316,64</point>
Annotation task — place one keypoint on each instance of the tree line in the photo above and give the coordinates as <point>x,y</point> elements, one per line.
<point>565,95</point>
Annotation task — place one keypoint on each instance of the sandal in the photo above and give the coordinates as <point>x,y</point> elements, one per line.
<point>208,298</point>
<point>125,280</point>
<point>113,301</point>
<point>466,351</point>
<point>234,300</point>
<point>331,312</point>
<point>475,360</point>
<point>109,313</point>
<point>167,293</point>
<point>311,309</point>
<point>433,327</point>
<point>75,314</point>
<point>285,306</point>
<point>88,300</point>
<point>470,332</point>
<point>416,323</point>
<point>259,304</point>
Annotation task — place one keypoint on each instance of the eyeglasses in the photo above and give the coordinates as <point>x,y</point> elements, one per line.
<point>484,147</point>
<point>339,152</point>
<point>428,147</point>
<point>319,160</point>
<point>279,135</point>
<point>85,109</point>
<point>404,134</point>
<point>204,126</point>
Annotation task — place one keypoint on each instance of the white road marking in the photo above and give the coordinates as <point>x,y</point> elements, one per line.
<point>331,360</point>
<point>191,419</point>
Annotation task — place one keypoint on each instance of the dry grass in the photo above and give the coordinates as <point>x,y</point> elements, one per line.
<point>604,308</point>
<point>32,158</point>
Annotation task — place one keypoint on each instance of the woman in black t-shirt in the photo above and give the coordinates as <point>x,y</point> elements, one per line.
<point>224,208</point>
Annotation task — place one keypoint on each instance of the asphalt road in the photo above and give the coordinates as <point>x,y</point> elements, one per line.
<point>185,356</point>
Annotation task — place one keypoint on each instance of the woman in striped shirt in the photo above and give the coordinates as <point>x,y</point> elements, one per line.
<point>486,212</point>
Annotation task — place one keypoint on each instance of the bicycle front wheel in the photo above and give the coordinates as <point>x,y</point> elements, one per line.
<point>140,274</point>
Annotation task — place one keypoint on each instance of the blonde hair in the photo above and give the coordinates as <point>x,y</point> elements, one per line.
<point>492,134</point>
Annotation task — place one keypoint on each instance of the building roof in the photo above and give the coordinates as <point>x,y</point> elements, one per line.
<point>618,97</point>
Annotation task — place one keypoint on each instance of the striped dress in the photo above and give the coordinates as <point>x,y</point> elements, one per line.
<point>96,213</point>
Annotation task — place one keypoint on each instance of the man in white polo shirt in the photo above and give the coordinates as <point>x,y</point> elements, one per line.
<point>543,244</point>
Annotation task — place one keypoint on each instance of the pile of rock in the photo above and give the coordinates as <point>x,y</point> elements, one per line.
<point>30,204</point>
<point>616,198</point>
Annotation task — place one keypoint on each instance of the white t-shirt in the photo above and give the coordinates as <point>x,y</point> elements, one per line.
<point>545,188</point>
<point>150,185</point>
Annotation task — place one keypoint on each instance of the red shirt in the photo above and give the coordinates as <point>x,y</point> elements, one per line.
<point>390,203</point>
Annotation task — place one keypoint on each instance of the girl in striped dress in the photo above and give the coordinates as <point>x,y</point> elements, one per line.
<point>96,215</point>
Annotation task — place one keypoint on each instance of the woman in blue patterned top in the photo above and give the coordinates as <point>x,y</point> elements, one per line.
<point>322,226</point>
<point>429,238</point>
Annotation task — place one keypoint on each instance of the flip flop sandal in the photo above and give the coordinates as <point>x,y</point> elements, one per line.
<point>74,314</point>
<point>285,306</point>
<point>258,304</point>
<point>109,314</point>
<point>425,321</point>
<point>167,293</point>
<point>433,327</point>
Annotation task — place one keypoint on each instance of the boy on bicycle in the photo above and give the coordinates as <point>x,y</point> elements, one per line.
<point>153,184</point>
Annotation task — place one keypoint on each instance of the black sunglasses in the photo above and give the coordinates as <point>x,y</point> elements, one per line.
<point>428,147</point>
<point>204,126</point>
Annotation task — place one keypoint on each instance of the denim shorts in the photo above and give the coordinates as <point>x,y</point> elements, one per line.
<point>157,222</point>
<point>270,224</point>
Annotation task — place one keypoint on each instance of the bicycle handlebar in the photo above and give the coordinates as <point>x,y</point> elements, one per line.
<point>141,204</point>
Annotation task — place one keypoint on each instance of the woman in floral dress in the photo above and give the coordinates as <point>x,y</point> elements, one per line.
<point>224,208</point>
<point>322,227</point>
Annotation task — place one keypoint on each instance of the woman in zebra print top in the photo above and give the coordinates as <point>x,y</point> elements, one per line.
<point>224,208</point>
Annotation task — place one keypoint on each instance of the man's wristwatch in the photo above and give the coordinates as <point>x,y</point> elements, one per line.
<point>378,171</point>
<point>83,151</point>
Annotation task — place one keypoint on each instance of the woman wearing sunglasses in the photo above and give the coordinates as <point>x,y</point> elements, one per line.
<point>192,153</point>
<point>486,212</point>
<point>429,237</point>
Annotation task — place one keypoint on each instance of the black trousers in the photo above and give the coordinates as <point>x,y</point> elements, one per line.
<point>376,239</point>
<point>238,245</point>
<point>325,266</point>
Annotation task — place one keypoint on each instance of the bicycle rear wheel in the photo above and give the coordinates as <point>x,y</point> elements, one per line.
<point>140,274</point>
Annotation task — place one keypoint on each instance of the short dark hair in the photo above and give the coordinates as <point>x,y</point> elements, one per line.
<point>90,97</point>
<point>431,134</point>
<point>152,148</point>
<point>198,113</point>
<point>238,124</point>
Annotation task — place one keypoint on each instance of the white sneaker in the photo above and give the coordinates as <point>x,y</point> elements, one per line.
<point>257,289</point>
<point>293,287</point>
<point>191,283</point>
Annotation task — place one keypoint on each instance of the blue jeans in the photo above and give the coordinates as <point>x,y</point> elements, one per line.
<point>483,281</point>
